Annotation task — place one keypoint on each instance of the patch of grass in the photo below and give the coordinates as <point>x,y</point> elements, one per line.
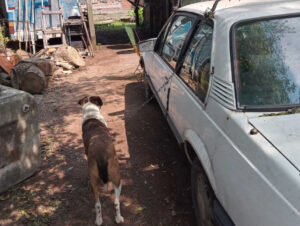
<point>114,26</point>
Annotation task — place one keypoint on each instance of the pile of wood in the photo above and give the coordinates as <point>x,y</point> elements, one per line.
<point>31,73</point>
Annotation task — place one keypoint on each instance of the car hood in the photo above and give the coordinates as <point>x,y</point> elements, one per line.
<point>283,132</point>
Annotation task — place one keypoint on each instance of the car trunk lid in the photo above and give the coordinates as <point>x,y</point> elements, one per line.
<point>283,132</point>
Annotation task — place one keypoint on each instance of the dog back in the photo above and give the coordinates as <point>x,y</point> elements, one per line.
<point>98,144</point>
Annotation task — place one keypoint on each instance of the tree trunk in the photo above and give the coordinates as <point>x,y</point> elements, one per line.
<point>29,78</point>
<point>136,11</point>
<point>45,65</point>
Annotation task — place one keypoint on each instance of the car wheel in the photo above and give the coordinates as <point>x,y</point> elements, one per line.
<point>202,195</point>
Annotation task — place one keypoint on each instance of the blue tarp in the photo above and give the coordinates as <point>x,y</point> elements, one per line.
<point>51,21</point>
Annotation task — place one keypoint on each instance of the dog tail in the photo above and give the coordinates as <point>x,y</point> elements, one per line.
<point>103,172</point>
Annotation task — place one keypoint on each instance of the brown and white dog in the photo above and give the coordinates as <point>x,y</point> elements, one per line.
<point>102,159</point>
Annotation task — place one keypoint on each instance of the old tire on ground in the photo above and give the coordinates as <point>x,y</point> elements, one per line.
<point>202,195</point>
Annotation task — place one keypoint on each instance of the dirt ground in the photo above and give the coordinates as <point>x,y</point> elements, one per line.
<point>156,181</point>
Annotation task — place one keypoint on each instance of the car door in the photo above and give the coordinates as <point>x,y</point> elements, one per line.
<point>189,89</point>
<point>166,55</point>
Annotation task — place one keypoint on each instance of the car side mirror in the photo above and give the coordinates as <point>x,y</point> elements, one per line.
<point>147,45</point>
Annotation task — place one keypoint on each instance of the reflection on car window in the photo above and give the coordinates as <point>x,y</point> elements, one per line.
<point>268,56</point>
<point>175,39</point>
<point>160,39</point>
<point>196,65</point>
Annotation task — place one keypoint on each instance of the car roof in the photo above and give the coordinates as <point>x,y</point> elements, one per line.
<point>233,11</point>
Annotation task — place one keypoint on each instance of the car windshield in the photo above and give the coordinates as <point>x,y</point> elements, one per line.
<point>268,63</point>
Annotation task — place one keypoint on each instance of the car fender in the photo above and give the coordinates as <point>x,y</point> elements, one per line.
<point>201,152</point>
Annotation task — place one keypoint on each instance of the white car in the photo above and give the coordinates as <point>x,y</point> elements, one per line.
<point>228,83</point>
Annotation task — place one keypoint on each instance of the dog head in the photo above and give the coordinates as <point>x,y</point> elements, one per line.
<point>92,99</point>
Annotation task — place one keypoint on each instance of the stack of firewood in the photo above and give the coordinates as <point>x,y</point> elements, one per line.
<point>32,73</point>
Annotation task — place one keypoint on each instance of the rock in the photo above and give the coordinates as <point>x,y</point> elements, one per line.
<point>5,79</point>
<point>45,65</point>
<point>22,54</point>
<point>69,54</point>
<point>64,64</point>
<point>5,64</point>
<point>67,72</point>
<point>28,77</point>
<point>19,137</point>
<point>58,72</point>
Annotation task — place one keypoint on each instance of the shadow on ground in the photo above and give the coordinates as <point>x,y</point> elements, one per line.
<point>159,166</point>
<point>154,170</point>
<point>120,37</point>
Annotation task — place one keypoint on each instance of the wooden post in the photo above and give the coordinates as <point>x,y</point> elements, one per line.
<point>91,22</point>
<point>26,25</point>
<point>33,25</point>
<point>90,45</point>
<point>19,25</point>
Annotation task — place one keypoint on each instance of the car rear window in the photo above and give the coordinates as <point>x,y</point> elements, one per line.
<point>268,55</point>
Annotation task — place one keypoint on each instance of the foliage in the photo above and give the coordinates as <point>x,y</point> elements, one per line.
<point>114,26</point>
<point>140,12</point>
<point>131,13</point>
<point>2,37</point>
<point>141,15</point>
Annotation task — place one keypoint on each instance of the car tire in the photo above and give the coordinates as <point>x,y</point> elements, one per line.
<point>202,194</point>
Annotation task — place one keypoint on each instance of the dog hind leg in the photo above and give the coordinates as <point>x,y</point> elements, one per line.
<point>119,218</point>
<point>94,178</point>
<point>115,178</point>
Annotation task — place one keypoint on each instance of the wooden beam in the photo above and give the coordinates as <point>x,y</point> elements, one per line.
<point>91,23</point>
<point>18,25</point>
<point>26,26</point>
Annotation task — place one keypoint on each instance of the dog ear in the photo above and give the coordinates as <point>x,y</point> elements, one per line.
<point>96,100</point>
<point>83,100</point>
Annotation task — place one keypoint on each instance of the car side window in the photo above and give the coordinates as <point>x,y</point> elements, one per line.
<point>161,38</point>
<point>175,38</point>
<point>195,70</point>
